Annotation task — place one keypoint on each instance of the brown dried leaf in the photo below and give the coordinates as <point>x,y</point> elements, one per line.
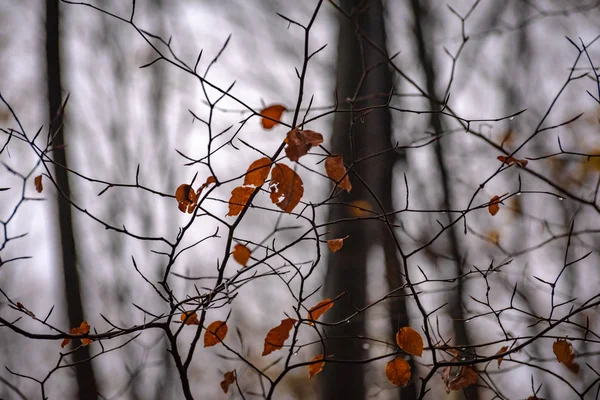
<point>314,369</point>
<point>83,329</point>
<point>398,371</point>
<point>186,197</point>
<point>494,206</point>
<point>241,254</point>
<point>410,341</point>
<point>278,335</point>
<point>463,377</point>
<point>318,310</point>
<point>512,160</point>
<point>228,379</point>
<point>336,244</point>
<point>336,171</point>
<point>210,180</point>
<point>286,187</point>
<point>502,350</point>
<point>192,318</point>
<point>258,172</point>
<point>300,142</point>
<point>274,112</point>
<point>563,350</point>
<point>239,197</point>
<point>38,183</point>
<point>215,333</point>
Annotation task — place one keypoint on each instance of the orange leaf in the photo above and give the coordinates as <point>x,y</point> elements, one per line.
<point>300,142</point>
<point>318,310</point>
<point>512,160</point>
<point>336,244</point>
<point>258,172</point>
<point>336,171</point>
<point>186,197</point>
<point>314,369</point>
<point>215,333</point>
<point>410,341</point>
<point>241,254</point>
<point>228,379</point>
<point>398,371</point>
<point>563,350</point>
<point>464,377</point>
<point>494,206</point>
<point>211,179</point>
<point>85,341</point>
<point>239,197</point>
<point>273,112</point>
<point>278,335</point>
<point>38,184</point>
<point>190,318</point>
<point>502,350</point>
<point>83,329</point>
<point>286,187</point>
<point>65,342</point>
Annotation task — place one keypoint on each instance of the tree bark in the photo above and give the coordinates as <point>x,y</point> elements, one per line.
<point>83,371</point>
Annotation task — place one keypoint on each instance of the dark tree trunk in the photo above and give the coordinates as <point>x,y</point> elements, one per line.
<point>84,372</point>
<point>363,79</point>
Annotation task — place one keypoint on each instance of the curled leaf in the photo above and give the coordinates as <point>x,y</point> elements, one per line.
<point>239,197</point>
<point>286,187</point>
<point>410,341</point>
<point>83,329</point>
<point>190,318</point>
<point>563,350</point>
<point>457,378</point>
<point>210,180</point>
<point>186,197</point>
<point>278,335</point>
<point>228,379</point>
<point>241,254</point>
<point>512,160</point>
<point>318,310</point>
<point>398,372</point>
<point>336,171</point>
<point>258,172</point>
<point>274,112</point>
<point>300,142</point>
<point>38,184</point>
<point>336,244</point>
<point>315,368</point>
<point>215,333</point>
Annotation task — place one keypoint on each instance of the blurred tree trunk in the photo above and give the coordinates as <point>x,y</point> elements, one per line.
<point>354,137</point>
<point>423,22</point>
<point>83,371</point>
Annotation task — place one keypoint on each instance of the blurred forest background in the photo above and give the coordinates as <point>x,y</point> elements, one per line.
<point>123,121</point>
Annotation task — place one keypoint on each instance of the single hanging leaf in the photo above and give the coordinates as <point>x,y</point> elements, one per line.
<point>192,318</point>
<point>464,376</point>
<point>239,197</point>
<point>241,254</point>
<point>398,372</point>
<point>186,197</point>
<point>300,142</point>
<point>336,244</point>
<point>318,310</point>
<point>286,187</point>
<point>278,335</point>
<point>274,112</point>
<point>502,350</point>
<point>258,172</point>
<point>228,379</point>
<point>563,350</point>
<point>314,369</point>
<point>336,171</point>
<point>494,206</point>
<point>512,160</point>
<point>410,341</point>
<point>38,184</point>
<point>215,333</point>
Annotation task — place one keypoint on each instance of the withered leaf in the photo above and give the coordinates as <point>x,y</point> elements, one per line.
<point>192,318</point>
<point>336,171</point>
<point>241,254</point>
<point>239,197</point>
<point>278,335</point>
<point>275,111</point>
<point>315,368</point>
<point>186,197</point>
<point>300,142</point>
<point>512,160</point>
<point>336,244</point>
<point>410,341</point>
<point>286,187</point>
<point>228,379</point>
<point>563,350</point>
<point>502,350</point>
<point>318,310</point>
<point>38,183</point>
<point>494,206</point>
<point>457,378</point>
<point>83,329</point>
<point>398,371</point>
<point>258,172</point>
<point>215,333</point>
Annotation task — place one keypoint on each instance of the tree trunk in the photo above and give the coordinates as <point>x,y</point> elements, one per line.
<point>84,372</point>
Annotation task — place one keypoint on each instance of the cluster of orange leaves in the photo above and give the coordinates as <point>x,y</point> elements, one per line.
<point>83,329</point>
